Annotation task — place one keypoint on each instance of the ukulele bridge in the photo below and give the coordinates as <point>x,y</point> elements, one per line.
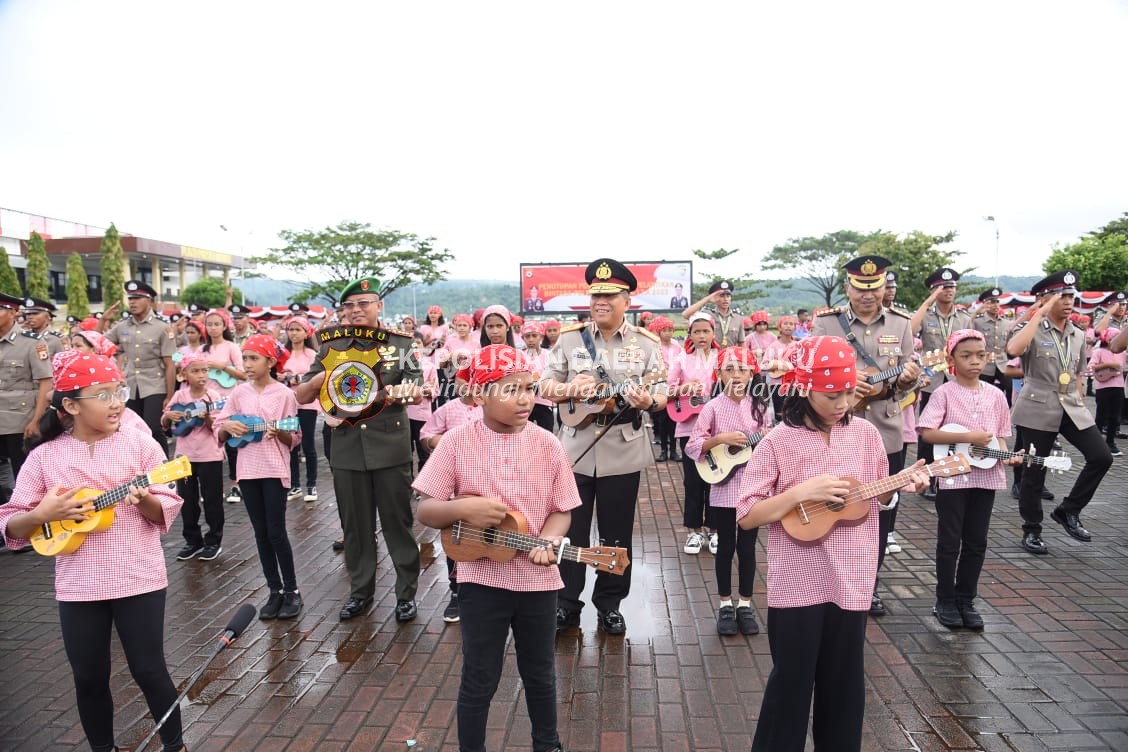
<point>456,532</point>
<point>801,513</point>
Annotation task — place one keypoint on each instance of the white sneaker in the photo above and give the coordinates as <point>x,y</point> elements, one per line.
<point>891,545</point>
<point>714,541</point>
<point>693,543</point>
<point>294,495</point>
<point>311,493</point>
<point>234,496</point>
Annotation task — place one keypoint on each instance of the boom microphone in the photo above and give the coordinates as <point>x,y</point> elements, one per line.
<point>240,621</point>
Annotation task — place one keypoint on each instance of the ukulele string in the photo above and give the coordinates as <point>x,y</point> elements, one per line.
<point>510,539</point>
<point>861,493</point>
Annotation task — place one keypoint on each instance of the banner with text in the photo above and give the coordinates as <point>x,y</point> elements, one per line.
<point>662,286</point>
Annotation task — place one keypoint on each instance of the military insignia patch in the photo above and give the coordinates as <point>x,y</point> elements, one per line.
<point>352,365</point>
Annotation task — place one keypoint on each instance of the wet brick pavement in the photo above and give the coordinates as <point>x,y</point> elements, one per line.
<point>1050,672</point>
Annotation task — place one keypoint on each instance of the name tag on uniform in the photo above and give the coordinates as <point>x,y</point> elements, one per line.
<point>581,359</point>
<point>629,356</point>
<point>888,339</point>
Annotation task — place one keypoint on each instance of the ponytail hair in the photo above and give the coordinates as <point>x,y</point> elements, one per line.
<point>55,420</point>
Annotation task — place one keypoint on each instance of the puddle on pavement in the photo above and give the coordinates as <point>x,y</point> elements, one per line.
<point>635,609</point>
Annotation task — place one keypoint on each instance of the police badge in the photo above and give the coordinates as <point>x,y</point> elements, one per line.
<point>352,387</point>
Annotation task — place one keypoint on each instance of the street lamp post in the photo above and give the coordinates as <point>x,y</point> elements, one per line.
<point>991,219</point>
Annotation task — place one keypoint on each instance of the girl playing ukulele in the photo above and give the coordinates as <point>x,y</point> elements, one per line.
<point>818,593</point>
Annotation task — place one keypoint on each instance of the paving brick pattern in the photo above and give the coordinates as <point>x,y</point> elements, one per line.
<point>1050,672</point>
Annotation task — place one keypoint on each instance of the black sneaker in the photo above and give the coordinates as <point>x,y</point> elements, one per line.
<point>273,604</point>
<point>971,617</point>
<point>746,620</point>
<point>189,552</point>
<point>877,607</point>
<point>405,610</point>
<point>210,552</point>
<point>726,621</point>
<point>948,614</point>
<point>234,496</point>
<point>291,606</point>
<point>566,618</point>
<point>1115,450</point>
<point>450,613</point>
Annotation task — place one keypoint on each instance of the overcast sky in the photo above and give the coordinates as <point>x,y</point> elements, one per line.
<point>527,131</point>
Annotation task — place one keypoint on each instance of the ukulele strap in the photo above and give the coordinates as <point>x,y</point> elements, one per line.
<point>861,351</point>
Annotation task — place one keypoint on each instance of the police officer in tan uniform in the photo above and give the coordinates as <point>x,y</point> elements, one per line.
<point>146,344</point>
<point>995,329</point>
<point>1052,402</point>
<point>25,383</point>
<point>608,471</point>
<point>371,458</point>
<point>883,334</point>
<point>38,316</point>
<point>240,323</point>
<point>729,324</point>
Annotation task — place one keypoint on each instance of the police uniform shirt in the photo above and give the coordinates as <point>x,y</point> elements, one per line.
<point>383,440</point>
<point>1043,397</point>
<point>996,332</point>
<point>729,329</point>
<point>889,341</point>
<point>629,352</point>
<point>24,361</point>
<point>142,349</point>
<point>934,332</point>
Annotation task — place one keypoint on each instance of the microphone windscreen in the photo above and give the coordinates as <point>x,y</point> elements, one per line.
<point>241,619</point>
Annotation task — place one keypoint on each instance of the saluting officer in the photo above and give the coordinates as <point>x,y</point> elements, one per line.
<point>1052,402</point>
<point>241,324</point>
<point>933,322</point>
<point>25,383</point>
<point>995,330</point>
<point>729,324</point>
<point>38,317</point>
<point>882,339</point>
<point>371,457</point>
<point>614,448</point>
<point>146,344</point>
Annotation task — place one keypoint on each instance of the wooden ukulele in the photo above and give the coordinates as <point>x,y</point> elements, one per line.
<point>811,521</point>
<point>65,536</point>
<point>932,361</point>
<point>578,413</point>
<point>721,461</point>
<point>464,542</point>
<point>986,457</point>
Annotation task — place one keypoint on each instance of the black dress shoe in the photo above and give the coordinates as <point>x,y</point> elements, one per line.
<point>971,617</point>
<point>339,545</point>
<point>1072,525</point>
<point>877,608</point>
<point>1047,495</point>
<point>612,622</point>
<point>405,610</point>
<point>566,618</point>
<point>948,614</point>
<point>355,607</point>
<point>1032,542</point>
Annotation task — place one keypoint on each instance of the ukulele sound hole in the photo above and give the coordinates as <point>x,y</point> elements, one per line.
<point>835,506</point>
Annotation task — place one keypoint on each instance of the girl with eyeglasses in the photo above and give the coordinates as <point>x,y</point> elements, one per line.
<point>117,577</point>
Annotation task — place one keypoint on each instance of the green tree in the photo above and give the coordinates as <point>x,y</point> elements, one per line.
<point>1118,226</point>
<point>744,293</point>
<point>332,257</point>
<point>914,257</point>
<point>9,281</point>
<point>1101,260</point>
<point>112,268</point>
<point>209,292</point>
<point>818,261</point>
<point>78,301</point>
<point>38,281</point>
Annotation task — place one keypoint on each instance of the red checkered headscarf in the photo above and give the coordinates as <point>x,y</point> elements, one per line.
<point>658,323</point>
<point>761,317</point>
<point>494,362</point>
<point>821,364</point>
<point>267,347</point>
<point>72,370</point>
<point>737,354</point>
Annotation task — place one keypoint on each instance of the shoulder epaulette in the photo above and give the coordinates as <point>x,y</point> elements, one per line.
<point>31,335</point>
<point>828,311</point>
<point>398,332</point>
<point>572,328</point>
<point>980,315</point>
<point>646,333</point>
<point>903,313</point>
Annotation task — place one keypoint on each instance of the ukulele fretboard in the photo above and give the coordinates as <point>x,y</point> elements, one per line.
<point>512,539</point>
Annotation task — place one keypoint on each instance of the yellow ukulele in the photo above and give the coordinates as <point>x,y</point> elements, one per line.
<point>65,536</point>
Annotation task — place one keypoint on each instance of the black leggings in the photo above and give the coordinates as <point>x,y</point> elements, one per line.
<point>664,427</point>
<point>733,542</point>
<point>139,621</point>
<point>307,419</point>
<point>421,450</point>
<point>265,499</point>
<point>1110,401</point>
<point>696,512</point>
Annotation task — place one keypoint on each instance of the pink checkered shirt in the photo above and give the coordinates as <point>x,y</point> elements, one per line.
<point>842,567</point>
<point>692,368</point>
<point>199,444</point>
<point>529,471</point>
<point>721,415</point>
<point>267,458</point>
<point>422,411</point>
<point>449,415</point>
<point>225,352</point>
<point>298,364</point>
<point>540,365</point>
<point>982,409</point>
<point>125,560</point>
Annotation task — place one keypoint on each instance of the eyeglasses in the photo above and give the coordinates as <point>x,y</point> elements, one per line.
<point>121,394</point>
<point>349,305</point>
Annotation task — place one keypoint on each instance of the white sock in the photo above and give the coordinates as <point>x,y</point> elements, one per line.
<point>742,603</point>
<point>726,602</point>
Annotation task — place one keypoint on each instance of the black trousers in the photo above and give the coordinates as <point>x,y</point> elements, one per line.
<point>232,460</point>
<point>1098,460</point>
<point>265,500</point>
<point>664,428</point>
<point>1110,401</point>
<point>733,541</point>
<point>149,408</point>
<point>139,621</point>
<point>205,485</point>
<point>924,449</point>
<point>999,379</point>
<point>542,416</point>
<point>307,419</point>
<point>695,505</point>
<point>612,501</point>
<point>886,519</point>
<point>816,651</point>
<point>12,447</point>
<point>963,516</point>
<point>421,451</point>
<point>487,616</point>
